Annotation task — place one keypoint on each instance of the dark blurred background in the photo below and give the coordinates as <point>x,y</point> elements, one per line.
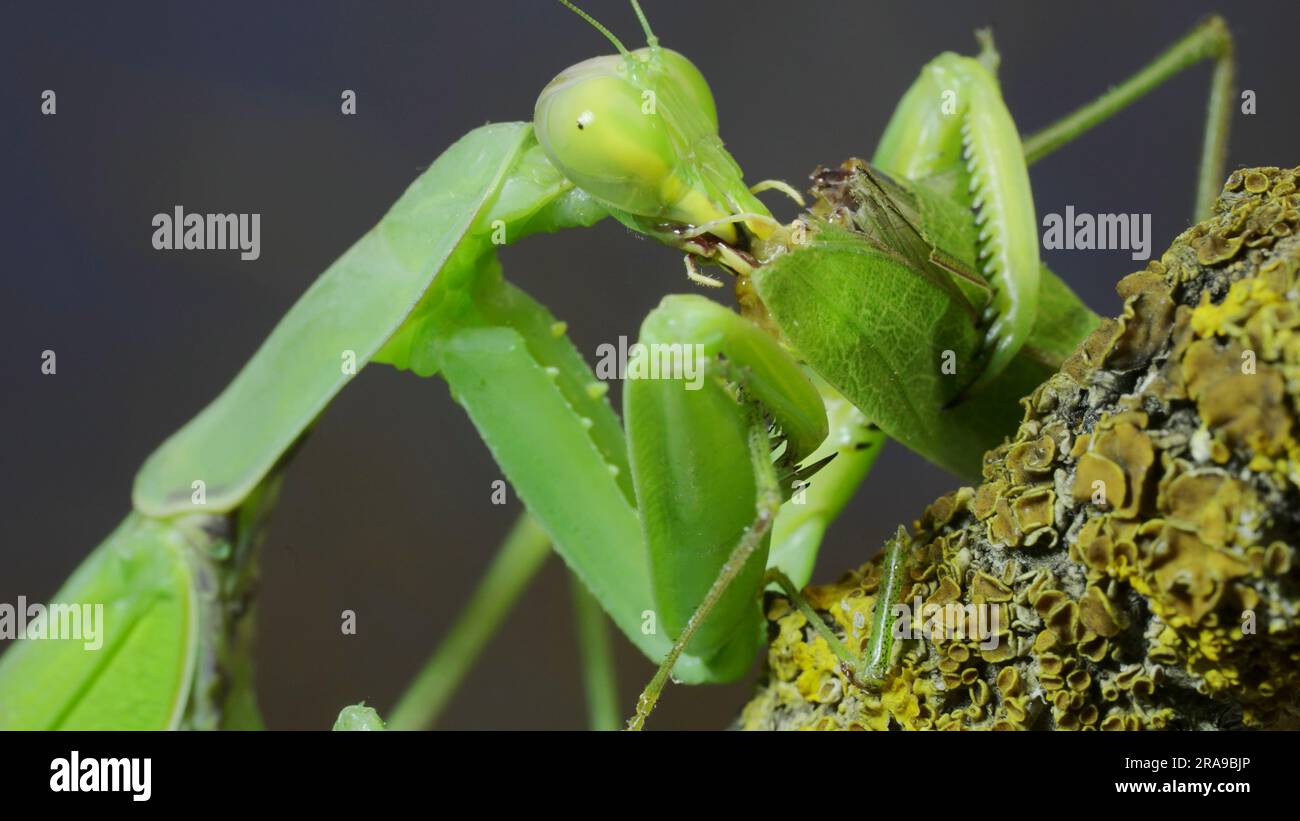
<point>234,107</point>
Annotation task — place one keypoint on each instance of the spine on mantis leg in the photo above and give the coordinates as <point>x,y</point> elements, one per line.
<point>692,382</point>
<point>815,502</point>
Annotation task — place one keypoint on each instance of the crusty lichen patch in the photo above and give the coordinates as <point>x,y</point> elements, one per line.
<point>1134,545</point>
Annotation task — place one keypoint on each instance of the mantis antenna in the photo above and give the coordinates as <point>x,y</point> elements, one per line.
<point>608,34</point>
<point>650,39</point>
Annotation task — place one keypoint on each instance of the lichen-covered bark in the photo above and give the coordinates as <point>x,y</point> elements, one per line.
<point>1132,551</point>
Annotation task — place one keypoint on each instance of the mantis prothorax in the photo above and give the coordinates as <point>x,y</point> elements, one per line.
<point>678,522</point>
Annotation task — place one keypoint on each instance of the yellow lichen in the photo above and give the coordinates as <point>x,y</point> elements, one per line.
<point>1136,539</point>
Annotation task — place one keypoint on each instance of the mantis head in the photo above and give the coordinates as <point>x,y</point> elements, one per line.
<point>638,131</point>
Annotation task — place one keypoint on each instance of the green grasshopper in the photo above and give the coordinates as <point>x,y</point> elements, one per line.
<point>718,483</point>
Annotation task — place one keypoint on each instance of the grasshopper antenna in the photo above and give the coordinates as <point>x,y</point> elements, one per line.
<point>608,34</point>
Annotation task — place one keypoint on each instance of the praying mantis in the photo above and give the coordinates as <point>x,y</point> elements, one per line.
<point>677,518</point>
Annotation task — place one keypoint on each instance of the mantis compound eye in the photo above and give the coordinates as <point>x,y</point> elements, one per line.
<point>589,121</point>
<point>629,129</point>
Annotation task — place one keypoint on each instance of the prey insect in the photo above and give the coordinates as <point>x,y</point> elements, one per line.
<point>677,518</point>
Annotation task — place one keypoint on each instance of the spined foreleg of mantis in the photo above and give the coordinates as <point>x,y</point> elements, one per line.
<point>952,121</point>
<point>952,131</point>
<point>768,502</point>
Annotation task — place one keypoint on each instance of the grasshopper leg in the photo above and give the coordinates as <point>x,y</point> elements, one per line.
<point>869,670</point>
<point>769,502</point>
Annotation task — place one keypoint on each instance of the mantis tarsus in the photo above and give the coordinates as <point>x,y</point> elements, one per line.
<point>683,513</point>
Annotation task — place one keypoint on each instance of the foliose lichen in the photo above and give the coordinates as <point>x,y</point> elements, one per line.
<point>1129,561</point>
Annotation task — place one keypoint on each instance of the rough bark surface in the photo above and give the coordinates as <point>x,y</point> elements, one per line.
<point>1129,560</point>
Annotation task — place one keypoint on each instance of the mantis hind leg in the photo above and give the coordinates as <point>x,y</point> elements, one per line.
<point>596,655</point>
<point>1210,40</point>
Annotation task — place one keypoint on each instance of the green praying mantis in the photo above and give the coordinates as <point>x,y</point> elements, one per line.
<point>745,433</point>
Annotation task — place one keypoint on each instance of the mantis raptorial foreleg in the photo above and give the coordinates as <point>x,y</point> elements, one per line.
<point>677,437</point>
<point>796,536</point>
<point>768,502</point>
<point>650,556</point>
<point>687,440</point>
<point>953,121</point>
<point>852,446</point>
<point>524,395</point>
<point>855,445</point>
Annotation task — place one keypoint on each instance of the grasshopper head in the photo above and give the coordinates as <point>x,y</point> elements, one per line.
<point>639,132</point>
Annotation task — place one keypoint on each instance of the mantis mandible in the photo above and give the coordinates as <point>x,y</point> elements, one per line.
<point>676,519</point>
